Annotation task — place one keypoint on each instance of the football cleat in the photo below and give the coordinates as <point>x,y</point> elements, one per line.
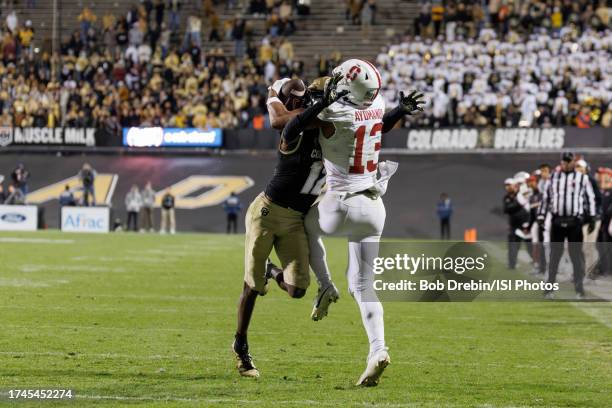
<point>244,361</point>
<point>325,297</point>
<point>377,362</point>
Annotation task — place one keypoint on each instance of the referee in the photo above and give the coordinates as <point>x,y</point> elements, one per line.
<point>570,199</point>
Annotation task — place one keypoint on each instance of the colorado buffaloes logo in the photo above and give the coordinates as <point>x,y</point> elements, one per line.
<point>352,74</point>
<point>265,211</point>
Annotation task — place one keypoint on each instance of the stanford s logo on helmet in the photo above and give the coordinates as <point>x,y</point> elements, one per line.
<point>362,81</point>
<point>352,74</point>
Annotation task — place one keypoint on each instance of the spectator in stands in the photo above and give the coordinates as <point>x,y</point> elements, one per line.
<point>26,36</point>
<point>15,196</point>
<point>148,202</point>
<point>86,19</point>
<point>2,193</point>
<point>238,33</point>
<point>174,10</point>
<point>168,219</point>
<point>193,33</point>
<point>87,175</point>
<point>133,203</point>
<point>20,177</point>
<point>215,26</point>
<point>232,207</point>
<point>66,198</point>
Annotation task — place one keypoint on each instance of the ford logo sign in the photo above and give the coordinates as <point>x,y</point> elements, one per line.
<point>13,218</point>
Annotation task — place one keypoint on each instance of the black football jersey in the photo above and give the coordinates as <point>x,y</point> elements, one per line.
<point>299,174</point>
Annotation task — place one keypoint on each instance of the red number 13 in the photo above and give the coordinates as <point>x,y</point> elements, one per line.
<point>358,166</point>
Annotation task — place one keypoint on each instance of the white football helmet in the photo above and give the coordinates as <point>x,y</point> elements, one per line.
<point>362,81</point>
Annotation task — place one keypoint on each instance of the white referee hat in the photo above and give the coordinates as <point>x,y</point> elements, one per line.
<point>582,163</point>
<point>509,181</point>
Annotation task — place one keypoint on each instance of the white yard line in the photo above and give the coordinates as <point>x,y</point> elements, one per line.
<point>11,240</point>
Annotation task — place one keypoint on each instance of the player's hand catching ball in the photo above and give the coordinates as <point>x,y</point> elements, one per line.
<point>330,94</point>
<point>412,102</point>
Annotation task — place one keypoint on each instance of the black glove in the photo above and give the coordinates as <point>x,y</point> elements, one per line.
<point>330,94</point>
<point>411,103</point>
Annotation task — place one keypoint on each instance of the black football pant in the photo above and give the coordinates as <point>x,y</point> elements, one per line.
<point>232,223</point>
<point>514,244</point>
<point>444,228</point>
<point>573,233</point>
<point>541,250</point>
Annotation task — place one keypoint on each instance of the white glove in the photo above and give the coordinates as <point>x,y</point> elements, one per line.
<point>278,84</point>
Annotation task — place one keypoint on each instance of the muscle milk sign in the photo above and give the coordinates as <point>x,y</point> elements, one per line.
<point>442,139</point>
<point>529,138</point>
<point>54,136</point>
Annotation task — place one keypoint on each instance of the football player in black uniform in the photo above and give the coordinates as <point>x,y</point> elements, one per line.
<point>275,219</point>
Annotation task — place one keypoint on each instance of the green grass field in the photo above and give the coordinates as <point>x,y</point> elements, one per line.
<point>128,319</point>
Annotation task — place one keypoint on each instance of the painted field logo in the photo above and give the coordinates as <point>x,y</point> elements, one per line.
<point>82,221</point>
<point>13,218</point>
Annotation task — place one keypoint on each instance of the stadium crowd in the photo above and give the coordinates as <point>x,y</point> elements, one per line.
<point>509,63</point>
<point>133,70</point>
<point>514,63</point>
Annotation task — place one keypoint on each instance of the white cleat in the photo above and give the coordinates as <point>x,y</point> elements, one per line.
<point>377,363</point>
<point>325,297</point>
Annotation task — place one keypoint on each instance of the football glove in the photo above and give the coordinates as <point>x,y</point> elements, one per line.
<point>330,94</point>
<point>411,103</point>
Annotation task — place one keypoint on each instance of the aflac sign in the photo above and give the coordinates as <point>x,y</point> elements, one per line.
<point>86,219</point>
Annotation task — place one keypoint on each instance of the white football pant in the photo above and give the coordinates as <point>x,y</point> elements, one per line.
<point>361,219</point>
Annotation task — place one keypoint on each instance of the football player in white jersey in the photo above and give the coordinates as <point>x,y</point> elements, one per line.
<point>350,139</point>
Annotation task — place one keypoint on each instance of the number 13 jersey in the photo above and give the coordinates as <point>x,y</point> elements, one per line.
<point>350,156</point>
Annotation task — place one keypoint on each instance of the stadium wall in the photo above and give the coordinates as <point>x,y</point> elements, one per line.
<point>411,140</point>
<point>473,181</point>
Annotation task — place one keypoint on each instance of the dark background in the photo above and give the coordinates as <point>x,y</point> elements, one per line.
<point>474,182</point>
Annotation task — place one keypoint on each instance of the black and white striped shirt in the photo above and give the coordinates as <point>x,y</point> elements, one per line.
<point>568,195</point>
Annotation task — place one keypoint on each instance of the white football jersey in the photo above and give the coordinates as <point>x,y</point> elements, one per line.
<point>350,156</point>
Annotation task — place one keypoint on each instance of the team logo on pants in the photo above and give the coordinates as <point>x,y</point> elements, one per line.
<point>265,211</point>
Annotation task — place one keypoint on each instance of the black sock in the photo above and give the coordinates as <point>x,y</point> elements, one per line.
<point>241,342</point>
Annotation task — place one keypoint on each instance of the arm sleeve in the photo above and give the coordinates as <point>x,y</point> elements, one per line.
<point>298,124</point>
<point>590,196</point>
<point>545,199</point>
<point>391,118</point>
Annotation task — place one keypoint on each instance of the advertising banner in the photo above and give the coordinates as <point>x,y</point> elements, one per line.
<point>86,219</point>
<point>168,137</point>
<point>496,139</point>
<point>47,136</point>
<point>18,217</point>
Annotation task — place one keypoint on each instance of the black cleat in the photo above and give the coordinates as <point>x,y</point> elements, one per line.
<point>244,361</point>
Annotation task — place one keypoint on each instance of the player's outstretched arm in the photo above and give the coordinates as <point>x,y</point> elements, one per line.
<point>407,106</point>
<point>308,118</point>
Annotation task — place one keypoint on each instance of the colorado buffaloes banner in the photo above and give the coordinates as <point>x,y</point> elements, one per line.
<point>496,139</point>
